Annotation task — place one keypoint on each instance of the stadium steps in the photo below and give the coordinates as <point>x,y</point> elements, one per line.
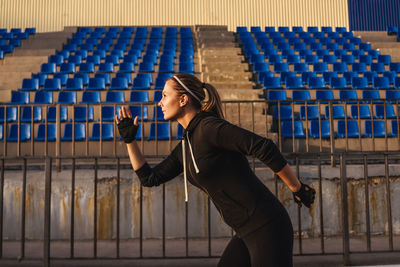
<point>28,58</point>
<point>387,44</point>
<point>223,65</point>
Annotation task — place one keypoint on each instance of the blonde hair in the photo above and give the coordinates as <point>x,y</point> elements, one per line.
<point>212,104</point>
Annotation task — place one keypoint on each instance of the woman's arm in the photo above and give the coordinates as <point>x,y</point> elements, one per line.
<point>288,176</point>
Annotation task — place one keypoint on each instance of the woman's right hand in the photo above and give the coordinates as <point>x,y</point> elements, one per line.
<point>126,126</point>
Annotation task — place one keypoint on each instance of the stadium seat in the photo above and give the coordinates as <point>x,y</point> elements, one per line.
<point>337,111</point>
<point>365,112</point>
<point>96,84</point>
<point>43,97</point>
<point>294,82</point>
<point>115,97</point>
<point>48,68</point>
<point>140,111</point>
<point>126,67</point>
<point>27,114</point>
<point>25,133</point>
<point>91,97</point>
<point>394,128</point>
<point>359,67</point>
<point>328,75</point>
<point>370,75</point>
<point>312,113</point>
<point>75,60</point>
<point>113,59</point>
<point>397,82</point>
<point>287,129</point>
<point>348,95</point>
<point>381,82</point>
<point>359,82</point>
<point>186,67</point>
<point>52,85</point>
<point>324,95</point>
<point>52,114</point>
<point>379,129</point>
<point>384,59</point>
<point>107,112</point>
<point>379,111</point>
<point>272,83</point>
<point>395,67</point>
<point>391,75</point>
<point>325,129</point>
<point>370,95</point>
<point>57,59</point>
<point>301,95</point>
<point>281,67</point>
<point>157,96</point>
<point>51,133</point>
<point>160,131</point>
<point>285,112</point>
<point>86,68</point>
<point>118,84</point>
<point>338,82</point>
<point>378,67</point>
<point>74,84</point>
<point>30,85</point>
<point>63,77</point>
<point>301,67</point>
<point>80,113</point>
<point>66,98</point>
<point>107,132</point>
<point>139,96</point>
<point>141,83</point>
<point>106,68</point>
<point>19,98</point>
<point>79,132</point>
<point>158,115</point>
<point>352,129</point>
<point>366,59</point>
<point>340,67</point>
<point>94,59</point>
<point>277,95</point>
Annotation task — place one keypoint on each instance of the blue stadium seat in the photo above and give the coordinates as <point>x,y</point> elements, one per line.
<point>370,75</point>
<point>105,76</point>
<point>301,67</point>
<point>107,112</point>
<point>359,82</point>
<point>301,95</point>
<point>25,133</point>
<point>126,67</point>
<point>67,98</point>
<point>371,94</point>
<point>330,59</point>
<point>79,132</point>
<point>366,59</point>
<point>106,68</point>
<point>82,114</point>
<point>48,68</point>
<point>348,95</point>
<point>82,53</point>
<point>141,83</point>
<point>52,85</point>
<point>96,84</point>
<point>91,97</point>
<point>365,112</point>
<point>140,111</point>
<point>395,67</point>
<point>76,60</point>
<point>11,114</point>
<point>281,67</point>
<point>27,114</point>
<point>43,97</point>
<point>286,74</point>
<point>74,84</point>
<point>338,82</point>
<point>146,67</point>
<point>30,85</point>
<point>51,133</point>
<point>324,95</point>
<point>352,129</point>
<point>57,59</point>
<point>63,77</point>
<point>19,98</point>
<point>113,59</point>
<point>52,114</point>
<point>95,59</point>
<point>41,77</point>
<point>285,112</point>
<point>325,129</point>
<point>277,58</point>
<point>320,67</point>
<point>311,59</point>
<point>397,82</point>
<point>278,95</point>
<point>391,75</point>
<point>316,82</point>
<point>359,67</point>
<point>378,67</point>
<point>158,114</point>
<point>381,82</point>
<point>287,129</point>
<point>107,132</point>
<point>379,129</point>
<point>379,111</point>
<point>160,131</point>
<point>272,83</point>
<point>186,67</point>
<point>394,128</point>
<point>131,58</point>
<point>119,84</point>
<point>294,82</point>
<point>328,75</point>
<point>337,111</point>
<point>100,52</point>
<point>86,68</point>
<point>115,97</point>
<point>84,77</point>
<point>349,59</point>
<point>312,113</point>
<point>139,96</point>
<point>384,59</point>
<point>157,96</point>
<point>340,67</point>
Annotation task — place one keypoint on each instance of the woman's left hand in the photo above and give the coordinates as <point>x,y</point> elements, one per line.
<point>305,195</point>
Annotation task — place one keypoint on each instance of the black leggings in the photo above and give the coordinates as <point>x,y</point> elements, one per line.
<point>269,246</point>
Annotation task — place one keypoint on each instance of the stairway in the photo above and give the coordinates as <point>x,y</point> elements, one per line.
<point>28,58</point>
<point>387,44</point>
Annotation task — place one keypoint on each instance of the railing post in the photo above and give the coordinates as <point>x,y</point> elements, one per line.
<point>47,214</point>
<point>345,218</point>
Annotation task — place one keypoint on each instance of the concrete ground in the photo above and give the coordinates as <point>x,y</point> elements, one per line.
<point>198,251</point>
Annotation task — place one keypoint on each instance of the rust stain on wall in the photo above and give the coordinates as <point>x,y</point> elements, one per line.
<point>106,216</point>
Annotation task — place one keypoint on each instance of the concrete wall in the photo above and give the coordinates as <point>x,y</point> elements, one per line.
<point>49,15</point>
<point>175,205</point>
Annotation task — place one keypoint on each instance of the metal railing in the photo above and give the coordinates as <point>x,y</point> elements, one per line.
<point>343,160</point>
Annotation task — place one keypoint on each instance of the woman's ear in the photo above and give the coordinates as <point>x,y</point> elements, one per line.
<point>183,100</point>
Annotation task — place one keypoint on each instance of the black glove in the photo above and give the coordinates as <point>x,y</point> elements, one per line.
<point>306,195</point>
<point>127,130</point>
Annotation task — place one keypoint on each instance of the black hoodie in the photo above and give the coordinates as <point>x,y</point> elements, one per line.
<point>218,149</point>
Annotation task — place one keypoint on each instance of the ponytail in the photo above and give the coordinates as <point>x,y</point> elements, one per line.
<point>213,104</point>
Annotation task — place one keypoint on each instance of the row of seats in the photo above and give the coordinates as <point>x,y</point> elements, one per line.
<point>363,111</point>
<point>11,39</point>
<point>296,29</point>
<point>330,80</point>
<point>88,97</point>
<point>158,131</point>
<point>80,114</point>
<point>376,129</point>
<point>351,96</point>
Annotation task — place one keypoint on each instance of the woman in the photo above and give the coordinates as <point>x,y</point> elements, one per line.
<point>212,156</point>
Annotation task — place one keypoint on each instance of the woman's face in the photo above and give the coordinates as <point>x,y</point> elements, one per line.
<point>170,103</point>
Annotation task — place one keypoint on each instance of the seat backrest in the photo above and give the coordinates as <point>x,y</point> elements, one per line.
<point>276,95</point>
<point>96,84</point>
<point>160,131</point>
<point>285,112</point>
<point>287,129</point>
<point>359,82</point>
<point>91,97</point>
<point>107,131</point>
<point>25,133</point>
<point>27,114</point>
<point>379,111</point>
<point>115,97</point>
<point>52,114</point>
<point>352,129</point>
<point>140,111</point>
<point>74,84</point>
<point>19,97</point>
<point>67,97</point>
<point>139,96</point>
<point>43,97</point>
<point>80,132</point>
<point>80,113</point>
<point>379,128</point>
<point>347,94</point>
<point>51,132</point>
<point>312,113</point>
<point>158,114</point>
<point>337,111</point>
<point>325,129</point>
<point>365,112</point>
<point>324,94</point>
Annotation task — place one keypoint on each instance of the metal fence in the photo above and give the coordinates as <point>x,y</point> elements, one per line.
<point>343,160</point>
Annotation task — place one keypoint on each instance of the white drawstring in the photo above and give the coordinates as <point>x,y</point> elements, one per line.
<point>184,170</point>
<point>191,152</point>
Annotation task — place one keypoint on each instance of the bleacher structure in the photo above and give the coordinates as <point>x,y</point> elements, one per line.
<point>306,75</point>
<point>79,90</point>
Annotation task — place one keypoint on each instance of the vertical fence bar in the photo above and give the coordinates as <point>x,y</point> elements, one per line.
<point>23,210</point>
<point>72,223</point>
<point>1,207</point>
<point>388,203</point>
<point>321,206</point>
<point>118,203</point>
<point>47,214</point>
<point>163,220</point>
<point>95,209</point>
<point>299,210</point>
<point>345,218</point>
<point>141,223</point>
<point>209,225</point>
<point>367,216</point>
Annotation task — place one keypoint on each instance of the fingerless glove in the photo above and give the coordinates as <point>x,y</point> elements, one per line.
<point>127,130</point>
<point>306,195</point>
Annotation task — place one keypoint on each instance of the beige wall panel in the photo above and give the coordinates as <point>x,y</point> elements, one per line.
<point>54,15</point>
